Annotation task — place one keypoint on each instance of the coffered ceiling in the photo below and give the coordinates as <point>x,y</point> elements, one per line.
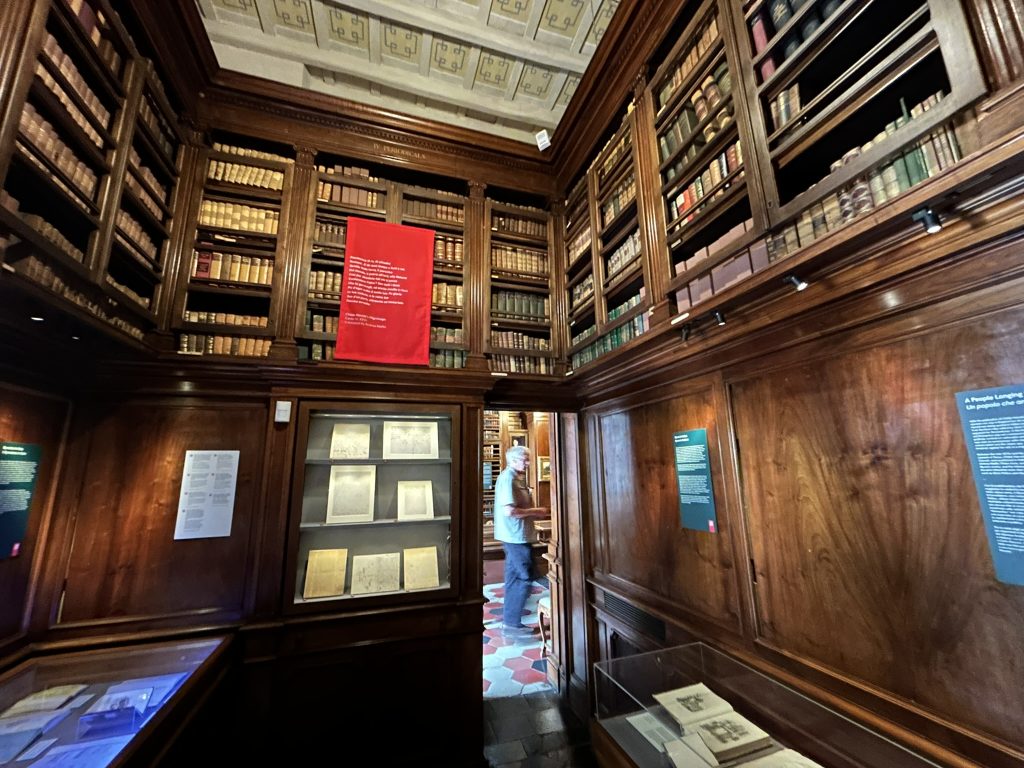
<point>505,67</point>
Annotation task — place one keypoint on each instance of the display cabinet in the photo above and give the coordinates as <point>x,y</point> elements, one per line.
<point>375,497</point>
<point>682,706</point>
<point>104,708</point>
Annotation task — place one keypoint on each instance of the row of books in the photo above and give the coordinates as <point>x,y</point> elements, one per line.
<point>343,194</point>
<point>625,254</point>
<point>517,340</point>
<point>514,259</point>
<point>443,334</point>
<point>97,30</point>
<point>738,267</point>
<point>633,301</point>
<point>448,294</point>
<point>522,364</point>
<point>318,322</point>
<point>763,30</point>
<point>256,154</point>
<point>159,128</point>
<point>143,301</point>
<point>140,238</point>
<point>324,284</point>
<point>684,202</point>
<point>316,351</point>
<point>77,116</point>
<point>64,64</point>
<point>235,346</point>
<point>619,200</point>
<point>246,175</point>
<point>225,318</point>
<point>934,152</point>
<point>347,170</point>
<point>44,228</point>
<point>706,37</point>
<point>41,135</point>
<point>580,244</point>
<point>785,105</point>
<point>524,306</point>
<point>428,209</point>
<point>582,291</point>
<point>447,248</point>
<point>612,151</point>
<point>683,130</point>
<point>583,335</point>
<point>330,233</point>
<point>611,340</point>
<point>244,218</point>
<point>519,225</point>
<point>448,358</point>
<point>233,267</point>
<point>147,176</point>
<point>42,274</point>
<point>143,196</point>
<point>708,251</point>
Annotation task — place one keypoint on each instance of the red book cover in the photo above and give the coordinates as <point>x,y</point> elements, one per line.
<point>385,294</point>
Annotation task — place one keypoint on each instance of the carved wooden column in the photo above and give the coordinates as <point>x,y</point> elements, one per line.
<point>559,299</point>
<point>998,30</point>
<point>475,311</point>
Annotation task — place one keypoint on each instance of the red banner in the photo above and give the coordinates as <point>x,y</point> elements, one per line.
<point>385,294</point>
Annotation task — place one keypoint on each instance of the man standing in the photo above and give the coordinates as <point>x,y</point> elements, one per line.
<point>513,527</point>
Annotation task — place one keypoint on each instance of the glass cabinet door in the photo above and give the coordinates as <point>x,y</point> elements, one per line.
<point>376,504</point>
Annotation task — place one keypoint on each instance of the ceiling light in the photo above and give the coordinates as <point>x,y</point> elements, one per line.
<point>929,220</point>
<point>719,317</point>
<point>796,282</point>
<point>76,338</point>
<point>37,319</point>
<point>679,318</point>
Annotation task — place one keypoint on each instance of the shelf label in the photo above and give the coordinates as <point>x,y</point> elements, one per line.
<point>693,473</point>
<point>19,468</point>
<point>993,424</point>
<point>386,294</point>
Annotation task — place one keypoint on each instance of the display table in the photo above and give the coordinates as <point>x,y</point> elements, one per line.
<point>750,717</point>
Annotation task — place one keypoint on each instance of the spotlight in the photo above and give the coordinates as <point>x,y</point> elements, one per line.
<point>719,317</point>
<point>796,282</point>
<point>929,220</point>
<point>687,329</point>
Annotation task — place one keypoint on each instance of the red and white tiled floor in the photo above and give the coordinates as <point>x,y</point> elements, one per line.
<point>512,666</point>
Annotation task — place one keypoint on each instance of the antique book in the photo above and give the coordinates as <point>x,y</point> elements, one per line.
<point>376,573</point>
<point>325,573</point>
<point>731,735</point>
<point>348,441</point>
<point>421,568</point>
<point>48,699</point>
<point>652,729</point>
<point>692,703</point>
<point>350,494</point>
<point>415,499</point>
<point>786,758</point>
<point>689,752</point>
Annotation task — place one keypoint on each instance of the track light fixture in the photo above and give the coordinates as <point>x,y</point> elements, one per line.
<point>929,220</point>
<point>719,317</point>
<point>796,282</point>
<point>687,330</point>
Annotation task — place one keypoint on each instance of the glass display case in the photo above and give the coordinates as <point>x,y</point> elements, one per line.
<point>692,706</point>
<point>374,502</point>
<point>99,708</point>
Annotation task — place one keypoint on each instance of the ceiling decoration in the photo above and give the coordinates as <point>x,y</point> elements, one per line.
<point>505,67</point>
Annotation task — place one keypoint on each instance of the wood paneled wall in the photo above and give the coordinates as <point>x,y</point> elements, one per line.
<point>119,500</point>
<point>38,419</point>
<point>851,549</point>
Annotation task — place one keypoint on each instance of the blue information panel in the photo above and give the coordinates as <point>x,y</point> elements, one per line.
<point>693,472</point>
<point>993,422</point>
<point>19,465</point>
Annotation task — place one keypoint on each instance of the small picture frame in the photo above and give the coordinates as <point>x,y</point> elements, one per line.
<point>543,469</point>
<point>410,440</point>
<point>518,437</point>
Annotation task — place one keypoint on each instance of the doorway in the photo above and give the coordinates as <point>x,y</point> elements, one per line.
<point>515,666</point>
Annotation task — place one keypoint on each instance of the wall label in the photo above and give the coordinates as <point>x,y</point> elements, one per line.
<point>19,468</point>
<point>693,474</point>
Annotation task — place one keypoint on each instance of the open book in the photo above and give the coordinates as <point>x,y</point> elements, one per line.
<point>692,703</point>
<point>700,711</point>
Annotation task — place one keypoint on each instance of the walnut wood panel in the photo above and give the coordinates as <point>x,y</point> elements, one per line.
<point>642,542</point>
<point>37,419</point>
<point>124,562</point>
<point>998,27</point>
<point>869,545</point>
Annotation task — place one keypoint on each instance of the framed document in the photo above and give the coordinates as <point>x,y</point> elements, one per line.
<point>325,573</point>
<point>350,441</point>
<point>415,499</point>
<point>421,568</point>
<point>543,468</point>
<point>410,440</point>
<point>375,573</point>
<point>350,494</point>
